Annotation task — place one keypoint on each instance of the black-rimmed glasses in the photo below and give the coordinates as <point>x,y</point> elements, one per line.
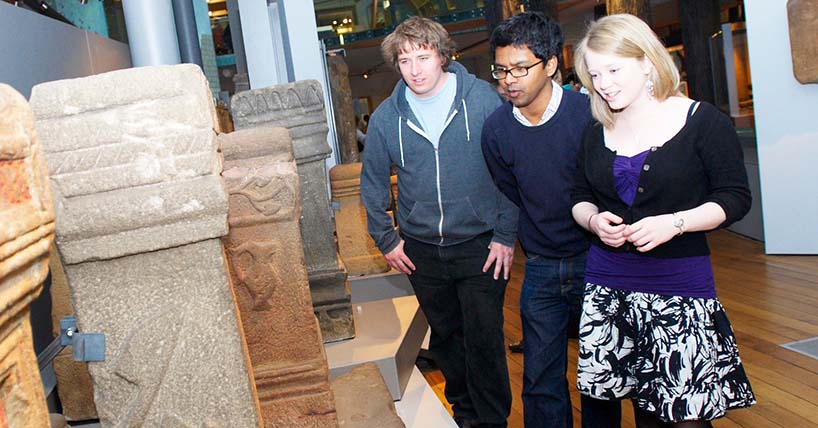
<point>500,73</point>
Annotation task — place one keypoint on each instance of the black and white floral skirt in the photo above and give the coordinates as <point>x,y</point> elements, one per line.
<point>675,357</point>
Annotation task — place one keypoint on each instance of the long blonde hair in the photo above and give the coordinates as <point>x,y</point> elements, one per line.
<point>626,36</point>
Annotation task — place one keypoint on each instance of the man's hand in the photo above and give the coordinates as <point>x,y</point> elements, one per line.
<point>399,260</point>
<point>502,257</point>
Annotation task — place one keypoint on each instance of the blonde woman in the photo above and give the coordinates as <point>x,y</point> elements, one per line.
<point>656,172</point>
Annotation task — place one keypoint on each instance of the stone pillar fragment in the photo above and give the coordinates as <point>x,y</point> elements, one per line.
<point>299,107</point>
<point>26,231</point>
<point>269,275</point>
<point>358,251</point>
<point>802,17</point>
<point>134,169</point>
<point>343,109</point>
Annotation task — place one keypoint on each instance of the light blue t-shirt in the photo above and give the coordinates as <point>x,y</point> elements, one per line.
<point>433,112</point>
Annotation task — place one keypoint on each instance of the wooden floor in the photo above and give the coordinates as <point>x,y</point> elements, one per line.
<point>770,300</point>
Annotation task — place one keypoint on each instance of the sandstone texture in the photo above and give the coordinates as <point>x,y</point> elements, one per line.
<point>299,107</point>
<point>133,163</point>
<point>358,251</point>
<point>26,232</point>
<point>269,275</point>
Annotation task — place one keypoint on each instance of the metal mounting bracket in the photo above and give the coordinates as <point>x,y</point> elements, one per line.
<point>86,346</point>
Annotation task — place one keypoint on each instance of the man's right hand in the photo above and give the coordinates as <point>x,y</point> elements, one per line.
<point>399,260</point>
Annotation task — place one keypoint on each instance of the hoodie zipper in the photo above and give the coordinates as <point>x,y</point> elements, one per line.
<point>437,167</point>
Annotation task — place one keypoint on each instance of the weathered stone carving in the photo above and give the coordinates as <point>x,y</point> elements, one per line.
<point>270,279</point>
<point>803,21</point>
<point>26,231</point>
<point>357,249</point>
<point>364,400</point>
<point>140,207</point>
<point>343,109</point>
<point>75,389</point>
<point>299,107</point>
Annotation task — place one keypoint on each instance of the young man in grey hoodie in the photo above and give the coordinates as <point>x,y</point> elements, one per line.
<point>457,231</point>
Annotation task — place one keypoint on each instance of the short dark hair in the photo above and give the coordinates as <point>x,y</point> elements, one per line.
<point>534,30</point>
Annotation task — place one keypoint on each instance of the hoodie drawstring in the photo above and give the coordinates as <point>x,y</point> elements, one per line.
<point>466,114</point>
<point>400,141</point>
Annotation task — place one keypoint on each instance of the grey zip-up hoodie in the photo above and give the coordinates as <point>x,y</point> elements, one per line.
<point>446,195</point>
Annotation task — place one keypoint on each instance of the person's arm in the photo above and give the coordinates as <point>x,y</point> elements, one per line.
<point>375,194</point>
<point>498,164</point>
<point>501,249</point>
<point>606,225</point>
<point>653,231</point>
<point>728,198</point>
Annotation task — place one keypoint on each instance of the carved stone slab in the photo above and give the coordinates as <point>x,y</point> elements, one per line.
<point>360,254</point>
<point>803,21</point>
<point>299,107</point>
<point>140,206</point>
<point>269,275</point>
<point>343,109</point>
<point>26,232</point>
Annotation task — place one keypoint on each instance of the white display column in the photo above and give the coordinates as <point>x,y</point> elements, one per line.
<point>259,45</point>
<point>151,32</point>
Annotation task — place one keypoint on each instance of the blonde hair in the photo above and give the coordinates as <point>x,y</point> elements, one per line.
<point>626,36</point>
<point>417,32</point>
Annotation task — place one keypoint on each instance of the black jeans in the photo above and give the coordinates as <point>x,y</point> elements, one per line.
<point>464,307</point>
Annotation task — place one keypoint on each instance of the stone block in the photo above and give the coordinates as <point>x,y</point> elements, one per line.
<point>134,169</point>
<point>364,400</point>
<point>27,219</point>
<point>343,109</point>
<point>358,251</point>
<point>299,107</point>
<point>803,22</point>
<point>389,334</point>
<point>270,280</point>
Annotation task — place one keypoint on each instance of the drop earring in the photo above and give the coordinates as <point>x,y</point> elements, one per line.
<point>649,85</point>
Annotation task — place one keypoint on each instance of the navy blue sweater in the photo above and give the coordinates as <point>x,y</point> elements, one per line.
<point>535,168</point>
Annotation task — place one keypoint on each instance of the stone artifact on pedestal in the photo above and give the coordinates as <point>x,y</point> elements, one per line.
<point>140,207</point>
<point>343,109</point>
<point>299,107</point>
<point>26,232</point>
<point>270,280</point>
<point>75,389</point>
<point>358,251</point>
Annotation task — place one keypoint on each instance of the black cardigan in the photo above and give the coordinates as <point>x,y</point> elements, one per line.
<point>702,163</point>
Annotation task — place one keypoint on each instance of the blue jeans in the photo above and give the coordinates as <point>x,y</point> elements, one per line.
<point>550,305</point>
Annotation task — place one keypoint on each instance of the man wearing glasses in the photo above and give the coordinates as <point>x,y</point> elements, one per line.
<point>530,145</point>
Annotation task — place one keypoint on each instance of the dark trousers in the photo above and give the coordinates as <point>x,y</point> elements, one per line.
<point>464,307</point>
<point>550,304</point>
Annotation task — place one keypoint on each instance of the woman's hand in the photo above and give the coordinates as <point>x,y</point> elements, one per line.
<point>651,232</point>
<point>608,226</point>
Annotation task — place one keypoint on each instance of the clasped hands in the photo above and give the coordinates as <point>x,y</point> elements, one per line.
<point>645,234</point>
